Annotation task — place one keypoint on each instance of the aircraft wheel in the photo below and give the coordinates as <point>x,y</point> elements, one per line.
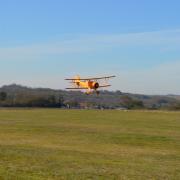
<point>97,93</point>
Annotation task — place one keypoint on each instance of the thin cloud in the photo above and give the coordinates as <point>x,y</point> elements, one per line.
<point>164,40</point>
<point>163,79</point>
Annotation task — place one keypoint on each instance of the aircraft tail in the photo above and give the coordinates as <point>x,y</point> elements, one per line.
<point>77,77</point>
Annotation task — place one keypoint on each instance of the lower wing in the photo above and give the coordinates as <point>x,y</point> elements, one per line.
<point>105,86</point>
<point>87,88</point>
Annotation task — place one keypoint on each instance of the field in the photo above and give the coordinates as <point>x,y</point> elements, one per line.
<point>88,144</point>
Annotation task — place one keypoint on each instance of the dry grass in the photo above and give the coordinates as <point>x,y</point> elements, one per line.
<point>60,144</point>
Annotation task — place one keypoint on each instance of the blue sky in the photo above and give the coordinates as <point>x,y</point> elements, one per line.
<point>43,41</point>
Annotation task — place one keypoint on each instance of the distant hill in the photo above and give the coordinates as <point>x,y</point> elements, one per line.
<point>21,96</point>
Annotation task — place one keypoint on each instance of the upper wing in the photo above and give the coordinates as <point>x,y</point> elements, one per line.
<point>76,88</point>
<point>106,77</point>
<point>71,79</point>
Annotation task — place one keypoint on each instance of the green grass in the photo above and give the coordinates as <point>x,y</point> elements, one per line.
<point>79,144</point>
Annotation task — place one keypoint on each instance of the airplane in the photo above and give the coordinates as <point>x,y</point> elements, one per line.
<point>89,84</point>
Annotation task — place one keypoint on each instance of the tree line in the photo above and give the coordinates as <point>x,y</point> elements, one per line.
<point>20,96</point>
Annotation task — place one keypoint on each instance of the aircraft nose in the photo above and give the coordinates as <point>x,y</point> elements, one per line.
<point>96,85</point>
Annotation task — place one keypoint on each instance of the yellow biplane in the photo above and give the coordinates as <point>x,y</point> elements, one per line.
<point>89,84</point>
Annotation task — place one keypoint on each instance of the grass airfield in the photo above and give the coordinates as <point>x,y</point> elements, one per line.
<point>88,144</point>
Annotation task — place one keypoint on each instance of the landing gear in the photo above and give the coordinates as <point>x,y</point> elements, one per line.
<point>87,92</point>
<point>90,92</point>
<point>97,93</point>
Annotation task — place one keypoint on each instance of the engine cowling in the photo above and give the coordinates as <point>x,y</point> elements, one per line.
<point>96,85</point>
